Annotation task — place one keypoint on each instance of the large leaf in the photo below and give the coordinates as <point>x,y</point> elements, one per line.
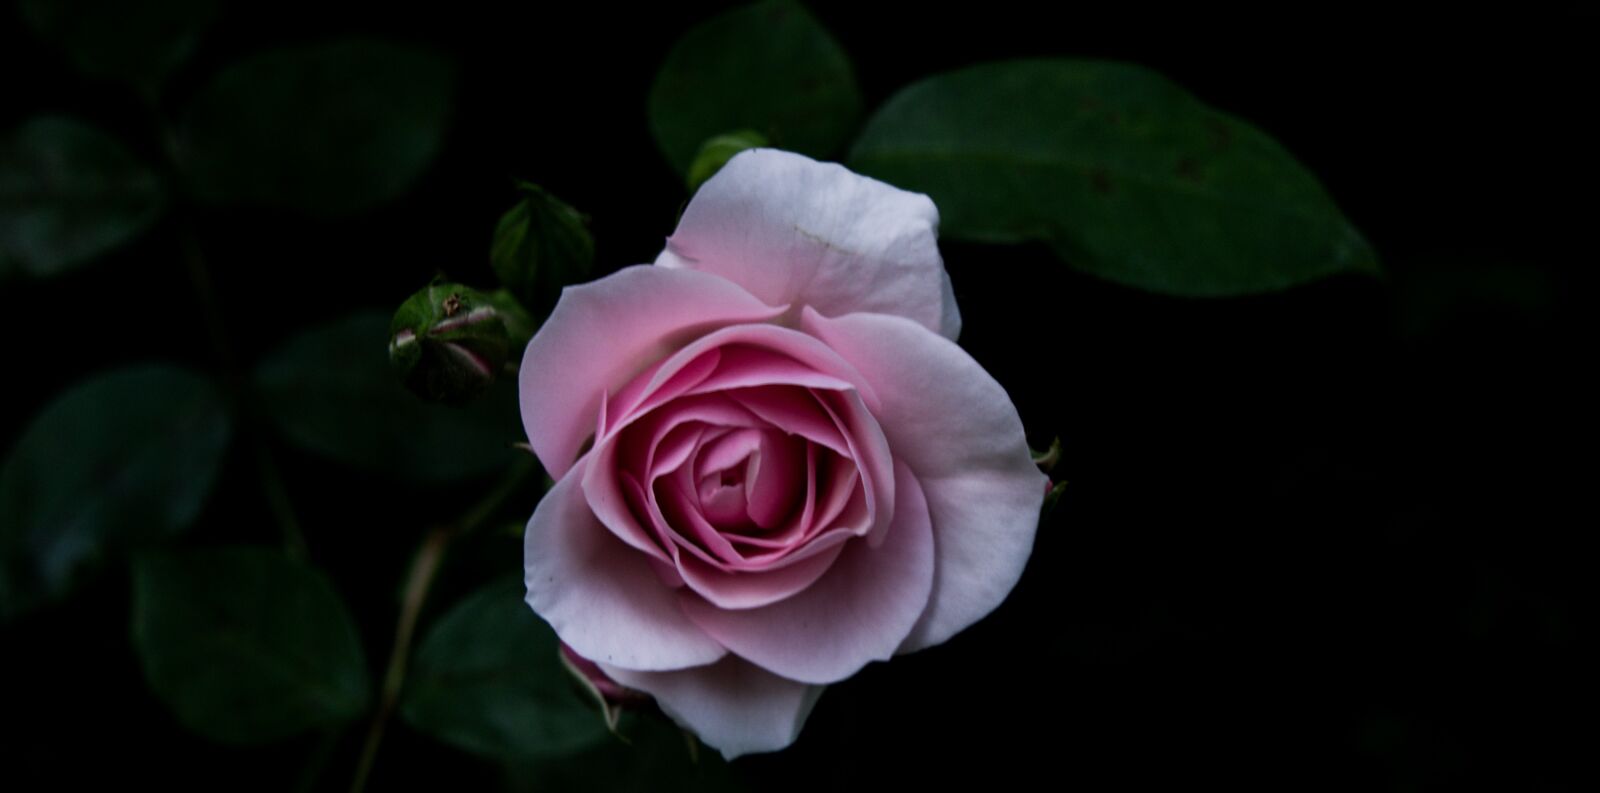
<point>136,43</point>
<point>331,390</point>
<point>246,645</point>
<point>488,679</point>
<point>653,755</point>
<point>123,460</point>
<point>326,129</point>
<point>68,193</point>
<point>768,67</point>
<point>1124,174</point>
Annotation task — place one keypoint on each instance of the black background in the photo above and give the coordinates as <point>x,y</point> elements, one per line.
<point>1314,538</point>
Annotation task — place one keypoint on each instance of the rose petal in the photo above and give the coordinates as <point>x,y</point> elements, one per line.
<point>859,612</point>
<point>956,428</point>
<point>734,706</point>
<point>774,482</point>
<point>600,595</point>
<point>794,231</point>
<point>603,333</point>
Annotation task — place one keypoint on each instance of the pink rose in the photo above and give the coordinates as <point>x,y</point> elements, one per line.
<point>774,465</point>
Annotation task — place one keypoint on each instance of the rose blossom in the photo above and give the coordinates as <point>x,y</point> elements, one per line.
<point>774,465</point>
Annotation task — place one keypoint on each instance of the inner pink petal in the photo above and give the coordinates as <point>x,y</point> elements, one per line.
<point>663,380</point>
<point>744,366</point>
<point>830,478</point>
<point>870,449</point>
<point>748,590</point>
<point>793,410</point>
<point>772,483</point>
<point>729,451</point>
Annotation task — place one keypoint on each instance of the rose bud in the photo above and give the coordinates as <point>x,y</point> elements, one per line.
<point>717,151</point>
<point>448,343</point>
<point>540,246</point>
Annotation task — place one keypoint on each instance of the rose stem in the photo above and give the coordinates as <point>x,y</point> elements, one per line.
<point>424,566</point>
<point>238,395</point>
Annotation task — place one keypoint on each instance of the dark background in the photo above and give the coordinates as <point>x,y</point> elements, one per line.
<point>1313,538</point>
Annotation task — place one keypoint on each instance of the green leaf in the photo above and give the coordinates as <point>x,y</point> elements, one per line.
<point>653,755</point>
<point>489,679</point>
<point>332,391</point>
<point>540,246</point>
<point>137,43</point>
<point>769,67</point>
<point>327,129</point>
<point>246,645</point>
<point>121,461</point>
<point>1124,174</point>
<point>68,193</point>
<point>717,151</point>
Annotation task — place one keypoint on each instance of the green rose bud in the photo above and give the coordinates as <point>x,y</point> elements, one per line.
<point>448,343</point>
<point>540,246</point>
<point>716,152</point>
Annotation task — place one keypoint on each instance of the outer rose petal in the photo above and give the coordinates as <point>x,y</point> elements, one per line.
<point>859,612</point>
<point>732,705</point>
<point>600,595</point>
<point>604,332</point>
<point>956,428</point>
<point>794,231</point>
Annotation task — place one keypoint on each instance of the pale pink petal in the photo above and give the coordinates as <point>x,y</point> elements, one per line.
<point>600,595</point>
<point>603,333</point>
<point>797,232</point>
<point>735,707</point>
<point>861,611</point>
<point>956,428</point>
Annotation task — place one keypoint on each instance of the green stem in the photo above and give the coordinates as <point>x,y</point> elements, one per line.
<point>238,392</point>
<point>419,580</point>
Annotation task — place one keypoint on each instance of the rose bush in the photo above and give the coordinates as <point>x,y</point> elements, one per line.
<point>773,464</point>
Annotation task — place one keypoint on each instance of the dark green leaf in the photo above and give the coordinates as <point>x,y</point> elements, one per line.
<point>246,645</point>
<point>1124,174</point>
<point>540,246</point>
<point>123,460</point>
<point>326,129</point>
<point>68,193</point>
<point>489,679</point>
<point>331,391</point>
<point>657,756</point>
<point>137,43</point>
<point>768,67</point>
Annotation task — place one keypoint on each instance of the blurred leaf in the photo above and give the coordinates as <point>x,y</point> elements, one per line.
<point>717,151</point>
<point>768,67</point>
<point>489,679</point>
<point>520,325</point>
<point>123,460</point>
<point>656,756</point>
<point>246,645</point>
<point>68,193</point>
<point>331,390</point>
<point>1124,174</point>
<point>540,246</point>
<point>138,43</point>
<point>327,129</point>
